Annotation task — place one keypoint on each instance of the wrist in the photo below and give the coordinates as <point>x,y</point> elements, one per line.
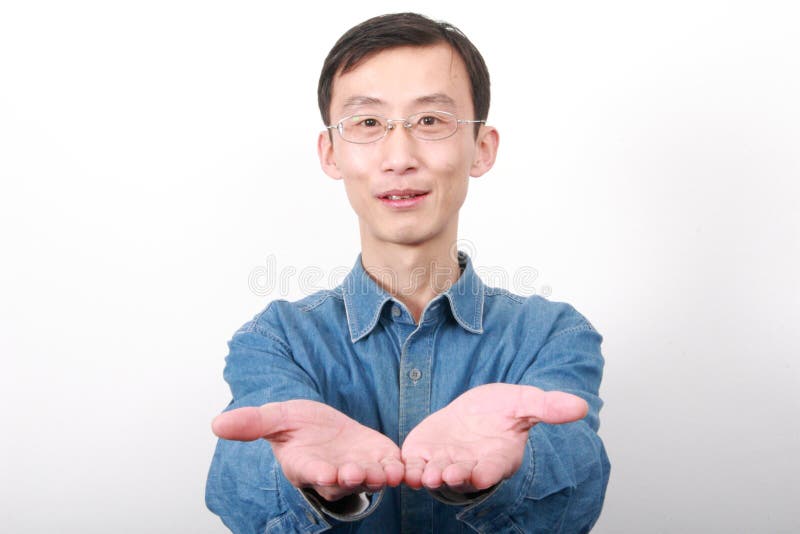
<point>450,496</point>
<point>348,503</point>
<point>351,507</point>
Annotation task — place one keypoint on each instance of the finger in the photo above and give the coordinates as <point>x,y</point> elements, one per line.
<point>251,423</point>
<point>351,475</point>
<point>374,477</point>
<point>488,472</point>
<point>414,467</point>
<point>552,407</point>
<point>332,493</point>
<point>458,474</point>
<point>432,476</point>
<point>237,424</point>
<point>393,470</point>
<point>313,472</point>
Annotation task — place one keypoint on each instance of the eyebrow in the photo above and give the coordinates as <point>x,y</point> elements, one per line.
<point>358,101</point>
<point>434,98</point>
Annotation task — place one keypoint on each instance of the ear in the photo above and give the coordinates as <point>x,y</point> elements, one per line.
<point>485,151</point>
<point>327,159</point>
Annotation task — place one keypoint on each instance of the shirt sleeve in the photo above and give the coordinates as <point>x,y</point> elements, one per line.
<point>246,486</point>
<point>561,484</point>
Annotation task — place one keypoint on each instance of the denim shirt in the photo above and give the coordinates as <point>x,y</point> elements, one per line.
<point>358,349</point>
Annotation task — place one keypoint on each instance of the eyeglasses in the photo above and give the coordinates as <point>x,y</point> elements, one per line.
<point>427,125</point>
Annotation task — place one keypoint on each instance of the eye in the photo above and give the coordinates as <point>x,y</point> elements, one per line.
<point>365,121</point>
<point>428,120</point>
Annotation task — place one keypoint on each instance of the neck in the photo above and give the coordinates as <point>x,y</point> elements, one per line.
<point>412,274</point>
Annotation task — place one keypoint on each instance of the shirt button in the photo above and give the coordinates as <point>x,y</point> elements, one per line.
<point>396,311</point>
<point>414,374</point>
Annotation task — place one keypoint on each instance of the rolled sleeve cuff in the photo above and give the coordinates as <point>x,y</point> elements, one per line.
<point>449,496</point>
<point>492,512</point>
<point>311,515</point>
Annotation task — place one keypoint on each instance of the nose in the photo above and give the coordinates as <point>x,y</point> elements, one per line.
<point>399,149</point>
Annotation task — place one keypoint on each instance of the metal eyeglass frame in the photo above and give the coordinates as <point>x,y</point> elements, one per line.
<point>406,124</point>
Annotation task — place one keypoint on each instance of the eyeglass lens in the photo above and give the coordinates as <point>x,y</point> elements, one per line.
<point>428,125</point>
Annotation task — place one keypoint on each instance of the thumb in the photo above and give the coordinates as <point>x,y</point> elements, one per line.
<point>553,407</point>
<point>250,423</point>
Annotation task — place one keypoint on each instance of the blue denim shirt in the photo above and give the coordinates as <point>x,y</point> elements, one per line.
<point>358,349</point>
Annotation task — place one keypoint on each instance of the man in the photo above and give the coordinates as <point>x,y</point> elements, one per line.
<point>411,398</point>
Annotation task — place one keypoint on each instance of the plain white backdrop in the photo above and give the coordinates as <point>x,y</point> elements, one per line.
<point>155,155</point>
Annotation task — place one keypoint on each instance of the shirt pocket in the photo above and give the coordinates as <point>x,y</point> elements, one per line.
<point>278,525</point>
<point>269,468</point>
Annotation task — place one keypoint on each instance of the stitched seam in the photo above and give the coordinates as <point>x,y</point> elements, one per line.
<point>458,315</point>
<point>562,521</point>
<point>375,317</point>
<point>275,521</point>
<point>322,298</point>
<point>431,345</point>
<point>479,309</point>
<point>350,326</point>
<point>266,333</point>
<point>461,319</point>
<point>530,476</point>
<point>251,325</point>
<point>578,328</point>
<point>492,290</point>
<point>510,296</point>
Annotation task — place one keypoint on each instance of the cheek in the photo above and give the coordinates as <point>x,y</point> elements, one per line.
<point>453,166</point>
<point>356,187</point>
<point>456,158</point>
<point>354,161</point>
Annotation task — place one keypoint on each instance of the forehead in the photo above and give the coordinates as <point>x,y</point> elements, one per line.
<point>398,79</point>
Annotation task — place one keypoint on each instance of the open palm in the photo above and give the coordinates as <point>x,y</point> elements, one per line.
<point>317,446</point>
<point>479,439</point>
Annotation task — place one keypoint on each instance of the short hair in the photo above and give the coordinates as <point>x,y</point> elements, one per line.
<point>402,29</point>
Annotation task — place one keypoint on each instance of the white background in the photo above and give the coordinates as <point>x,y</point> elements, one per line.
<point>155,154</point>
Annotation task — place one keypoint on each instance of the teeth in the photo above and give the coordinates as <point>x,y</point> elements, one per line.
<point>397,197</point>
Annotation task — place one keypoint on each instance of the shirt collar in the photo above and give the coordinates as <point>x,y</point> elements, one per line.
<point>364,299</point>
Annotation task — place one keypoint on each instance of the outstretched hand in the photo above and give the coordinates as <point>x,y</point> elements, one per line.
<point>479,438</point>
<point>317,446</point>
<point>471,444</point>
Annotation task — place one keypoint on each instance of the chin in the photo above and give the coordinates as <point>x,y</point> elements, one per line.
<point>409,237</point>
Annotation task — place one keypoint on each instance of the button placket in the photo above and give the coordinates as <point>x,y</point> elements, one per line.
<point>415,401</point>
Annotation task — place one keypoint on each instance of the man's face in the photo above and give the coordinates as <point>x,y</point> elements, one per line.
<point>396,83</point>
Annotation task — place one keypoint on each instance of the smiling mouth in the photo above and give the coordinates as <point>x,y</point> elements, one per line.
<point>402,194</point>
<point>402,197</point>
